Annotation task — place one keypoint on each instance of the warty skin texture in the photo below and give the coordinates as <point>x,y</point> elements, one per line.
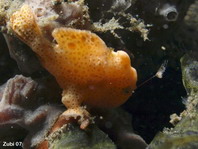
<point>86,69</point>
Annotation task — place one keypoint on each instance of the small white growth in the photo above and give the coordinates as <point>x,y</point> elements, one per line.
<point>161,70</point>
<point>163,48</point>
<point>121,5</point>
<point>118,9</point>
<point>101,117</point>
<point>139,26</point>
<point>111,26</point>
<point>159,73</point>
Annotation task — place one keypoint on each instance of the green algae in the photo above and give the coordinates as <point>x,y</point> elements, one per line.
<point>73,137</point>
<point>185,134</point>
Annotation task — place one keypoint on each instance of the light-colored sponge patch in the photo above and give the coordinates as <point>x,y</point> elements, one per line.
<point>24,25</point>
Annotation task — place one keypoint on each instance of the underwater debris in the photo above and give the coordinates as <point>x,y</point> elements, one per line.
<point>138,25</point>
<point>135,25</point>
<point>81,63</point>
<point>116,18</point>
<point>111,26</point>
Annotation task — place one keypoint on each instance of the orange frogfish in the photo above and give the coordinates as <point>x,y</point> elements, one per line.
<point>86,69</point>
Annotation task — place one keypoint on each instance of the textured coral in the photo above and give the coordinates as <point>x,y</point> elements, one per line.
<point>87,70</point>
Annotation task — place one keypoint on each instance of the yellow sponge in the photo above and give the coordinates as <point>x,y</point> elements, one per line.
<point>87,70</point>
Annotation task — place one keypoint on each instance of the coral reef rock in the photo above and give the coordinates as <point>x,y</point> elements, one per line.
<point>185,133</point>
<point>73,137</point>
